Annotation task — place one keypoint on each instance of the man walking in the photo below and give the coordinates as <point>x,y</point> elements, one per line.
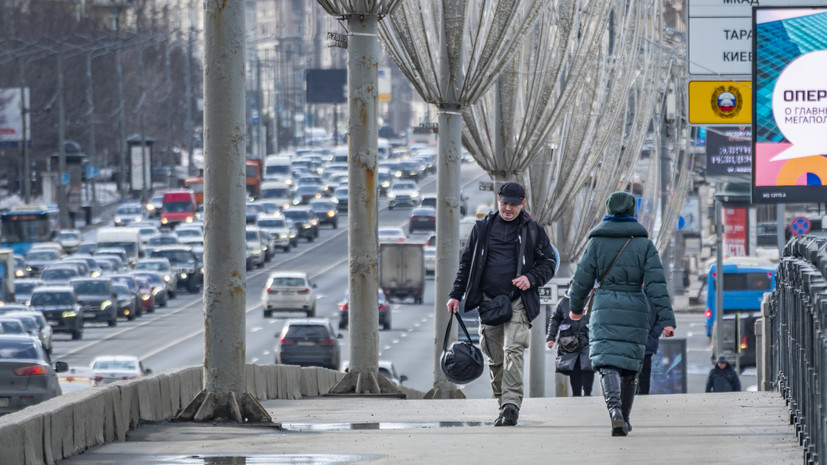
<point>488,268</point>
<point>723,377</point>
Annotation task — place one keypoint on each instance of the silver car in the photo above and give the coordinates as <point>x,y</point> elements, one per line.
<point>26,376</point>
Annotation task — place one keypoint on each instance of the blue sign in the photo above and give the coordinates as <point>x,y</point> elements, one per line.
<point>65,179</point>
<point>254,115</point>
<point>92,172</point>
<point>800,226</point>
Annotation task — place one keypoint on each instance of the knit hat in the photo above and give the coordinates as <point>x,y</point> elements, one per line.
<point>620,203</point>
<point>722,359</point>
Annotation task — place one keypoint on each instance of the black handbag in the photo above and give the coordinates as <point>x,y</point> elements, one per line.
<point>498,310</point>
<point>564,364</point>
<point>462,362</point>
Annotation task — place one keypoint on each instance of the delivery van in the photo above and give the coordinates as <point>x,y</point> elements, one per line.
<point>126,238</point>
<point>179,206</point>
<point>278,168</point>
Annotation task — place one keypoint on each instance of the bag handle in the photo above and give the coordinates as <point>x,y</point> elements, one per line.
<point>448,330</point>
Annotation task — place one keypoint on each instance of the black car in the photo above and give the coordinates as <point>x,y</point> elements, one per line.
<point>309,342</point>
<point>305,220</point>
<point>304,194</point>
<point>60,306</point>
<point>326,211</point>
<point>127,305</point>
<point>129,281</point>
<point>341,195</point>
<point>422,219</point>
<point>384,312</point>
<point>185,263</point>
<point>97,299</point>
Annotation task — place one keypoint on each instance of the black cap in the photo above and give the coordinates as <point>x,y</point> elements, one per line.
<point>722,359</point>
<point>511,192</point>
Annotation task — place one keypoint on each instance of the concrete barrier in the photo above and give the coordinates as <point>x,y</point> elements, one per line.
<point>67,425</point>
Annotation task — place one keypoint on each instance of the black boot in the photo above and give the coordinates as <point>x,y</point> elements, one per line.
<point>610,381</point>
<point>628,388</point>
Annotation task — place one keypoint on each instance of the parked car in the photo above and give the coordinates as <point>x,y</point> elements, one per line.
<point>288,291</point>
<point>384,311</point>
<point>97,299</point>
<point>422,219</point>
<point>162,266</point>
<point>306,222</point>
<point>60,306</point>
<point>309,342</point>
<point>159,286</point>
<point>26,375</point>
<point>111,368</point>
<point>326,211</point>
<point>23,288</point>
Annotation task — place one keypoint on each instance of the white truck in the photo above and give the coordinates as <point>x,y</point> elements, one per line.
<point>127,238</point>
<point>402,270</point>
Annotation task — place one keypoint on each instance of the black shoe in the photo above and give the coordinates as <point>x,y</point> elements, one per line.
<point>618,423</point>
<point>499,420</point>
<point>510,414</point>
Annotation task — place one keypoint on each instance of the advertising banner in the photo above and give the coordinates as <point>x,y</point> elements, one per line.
<point>790,105</point>
<point>735,231</point>
<point>729,151</point>
<point>11,124</point>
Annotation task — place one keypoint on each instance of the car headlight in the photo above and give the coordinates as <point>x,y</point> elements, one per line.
<point>167,277</point>
<point>415,195</point>
<point>156,290</point>
<point>145,296</point>
<point>189,219</point>
<point>183,275</point>
<point>391,195</point>
<point>69,314</point>
<point>314,222</point>
<point>117,219</point>
<point>106,304</point>
<point>96,273</point>
<point>164,220</point>
<point>386,184</point>
<point>150,207</point>
<point>306,226</point>
<point>18,273</point>
<point>331,213</point>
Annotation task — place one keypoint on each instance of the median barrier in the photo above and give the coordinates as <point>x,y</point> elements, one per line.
<point>68,425</point>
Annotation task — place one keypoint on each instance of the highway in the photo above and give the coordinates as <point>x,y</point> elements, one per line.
<point>173,337</point>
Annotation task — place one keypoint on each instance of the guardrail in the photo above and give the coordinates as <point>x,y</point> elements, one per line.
<point>797,343</point>
<point>68,425</point>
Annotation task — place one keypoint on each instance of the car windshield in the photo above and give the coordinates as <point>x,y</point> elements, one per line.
<point>275,192</point>
<point>128,210</point>
<point>91,287</point>
<point>404,185</point>
<point>188,233</point>
<point>42,255</point>
<point>307,331</point>
<point>24,287</point>
<point>252,236</point>
<point>179,207</point>
<point>11,350</point>
<point>125,365</point>
<point>52,298</point>
<point>296,214</point>
<point>58,274</point>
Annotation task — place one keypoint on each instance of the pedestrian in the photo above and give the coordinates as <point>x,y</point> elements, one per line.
<point>572,348</point>
<point>499,245</point>
<point>723,377</point>
<point>620,256</point>
<point>652,343</point>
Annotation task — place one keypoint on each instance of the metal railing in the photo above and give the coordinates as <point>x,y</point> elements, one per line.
<point>796,340</point>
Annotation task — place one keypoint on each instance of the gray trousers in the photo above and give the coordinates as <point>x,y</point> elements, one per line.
<point>504,348</point>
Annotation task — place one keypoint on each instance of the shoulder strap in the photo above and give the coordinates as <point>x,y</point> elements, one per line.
<point>520,258</point>
<point>600,283</point>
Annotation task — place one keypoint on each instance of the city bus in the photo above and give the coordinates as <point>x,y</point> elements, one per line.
<point>25,225</point>
<point>746,280</point>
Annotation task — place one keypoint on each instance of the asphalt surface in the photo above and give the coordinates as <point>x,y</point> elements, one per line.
<point>724,428</point>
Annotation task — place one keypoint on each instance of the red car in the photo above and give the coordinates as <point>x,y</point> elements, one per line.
<point>147,298</point>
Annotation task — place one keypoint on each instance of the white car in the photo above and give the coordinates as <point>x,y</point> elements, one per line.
<point>129,213</point>
<point>69,239</point>
<point>289,291</point>
<point>392,235</point>
<point>278,227</point>
<point>403,193</point>
<point>110,368</point>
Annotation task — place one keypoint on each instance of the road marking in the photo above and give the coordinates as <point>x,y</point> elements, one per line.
<point>386,348</point>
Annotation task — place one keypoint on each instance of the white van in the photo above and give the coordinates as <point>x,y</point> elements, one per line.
<point>278,168</point>
<point>126,238</point>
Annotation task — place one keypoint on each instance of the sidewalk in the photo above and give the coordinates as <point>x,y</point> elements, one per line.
<point>735,428</point>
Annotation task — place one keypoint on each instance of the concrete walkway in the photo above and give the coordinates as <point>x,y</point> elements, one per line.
<point>734,428</point>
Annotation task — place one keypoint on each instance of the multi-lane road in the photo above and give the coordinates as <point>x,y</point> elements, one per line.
<point>173,337</point>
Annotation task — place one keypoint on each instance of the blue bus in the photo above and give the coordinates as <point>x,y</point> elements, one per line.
<point>746,280</point>
<point>25,225</point>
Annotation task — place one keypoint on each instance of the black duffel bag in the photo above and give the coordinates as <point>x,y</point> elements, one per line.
<point>462,362</point>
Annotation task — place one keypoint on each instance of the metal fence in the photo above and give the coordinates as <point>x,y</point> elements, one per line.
<point>796,340</point>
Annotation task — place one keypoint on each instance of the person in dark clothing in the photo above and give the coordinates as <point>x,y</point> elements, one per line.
<point>722,377</point>
<point>488,268</point>
<point>573,349</point>
<point>652,343</point>
<point>619,321</point>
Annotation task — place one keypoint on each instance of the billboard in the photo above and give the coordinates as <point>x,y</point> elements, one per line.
<point>11,124</point>
<point>326,86</point>
<point>729,151</point>
<point>790,105</point>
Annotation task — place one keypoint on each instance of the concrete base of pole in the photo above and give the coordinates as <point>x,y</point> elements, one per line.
<point>365,384</point>
<point>210,406</point>
<point>443,393</point>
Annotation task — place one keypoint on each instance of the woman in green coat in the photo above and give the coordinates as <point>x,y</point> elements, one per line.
<point>619,324</point>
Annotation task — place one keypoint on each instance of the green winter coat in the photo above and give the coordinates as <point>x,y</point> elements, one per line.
<point>619,323</point>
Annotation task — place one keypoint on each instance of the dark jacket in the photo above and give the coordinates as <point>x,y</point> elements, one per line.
<point>655,328</point>
<point>539,261</point>
<point>619,326</point>
<point>561,321</point>
<point>723,380</point>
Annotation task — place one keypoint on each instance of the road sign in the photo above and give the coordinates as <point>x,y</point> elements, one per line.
<point>486,186</point>
<point>720,102</point>
<point>65,179</point>
<point>548,294</point>
<point>800,226</point>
